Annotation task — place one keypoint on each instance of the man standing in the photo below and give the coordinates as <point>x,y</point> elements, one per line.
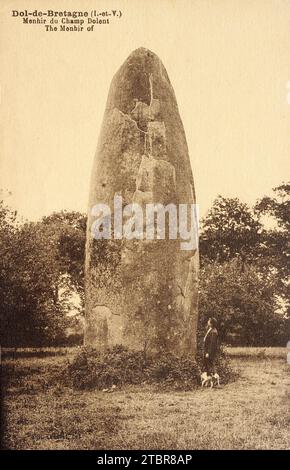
<point>210,345</point>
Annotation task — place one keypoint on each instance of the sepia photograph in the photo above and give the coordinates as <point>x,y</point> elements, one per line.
<point>144,227</point>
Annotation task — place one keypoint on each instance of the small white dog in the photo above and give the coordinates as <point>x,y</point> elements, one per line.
<point>210,380</point>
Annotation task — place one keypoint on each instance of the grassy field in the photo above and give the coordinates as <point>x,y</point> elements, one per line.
<point>251,413</point>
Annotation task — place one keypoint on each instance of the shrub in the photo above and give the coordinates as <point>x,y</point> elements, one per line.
<point>118,366</point>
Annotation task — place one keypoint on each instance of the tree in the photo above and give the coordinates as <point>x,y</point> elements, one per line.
<point>244,303</point>
<point>8,230</point>
<point>275,248</point>
<point>33,311</point>
<point>229,230</point>
<point>70,232</point>
<point>40,265</point>
<point>277,206</point>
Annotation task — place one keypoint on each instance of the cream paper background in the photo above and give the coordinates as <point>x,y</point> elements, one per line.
<point>229,64</point>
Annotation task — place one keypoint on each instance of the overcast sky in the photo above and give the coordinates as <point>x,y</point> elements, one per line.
<point>228,61</point>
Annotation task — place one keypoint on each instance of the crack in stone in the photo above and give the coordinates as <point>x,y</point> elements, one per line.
<point>155,134</point>
<point>181,291</point>
<point>146,113</point>
<point>151,95</point>
<point>132,120</point>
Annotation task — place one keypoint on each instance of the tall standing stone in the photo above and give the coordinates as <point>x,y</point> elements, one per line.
<point>141,293</point>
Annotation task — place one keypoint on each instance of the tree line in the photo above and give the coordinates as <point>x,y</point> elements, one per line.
<point>244,273</point>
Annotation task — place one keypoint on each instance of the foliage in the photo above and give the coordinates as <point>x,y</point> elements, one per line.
<point>36,278</point>
<point>229,230</point>
<point>243,301</point>
<point>244,277</point>
<point>34,313</point>
<point>277,206</point>
<point>118,366</point>
<point>70,231</point>
<point>275,253</point>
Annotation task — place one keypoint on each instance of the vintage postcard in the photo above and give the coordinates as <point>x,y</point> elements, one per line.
<point>144,227</point>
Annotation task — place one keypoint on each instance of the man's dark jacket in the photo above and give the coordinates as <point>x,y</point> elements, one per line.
<point>211,343</point>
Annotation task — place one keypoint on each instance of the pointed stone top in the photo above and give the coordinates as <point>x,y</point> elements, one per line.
<point>144,54</point>
<point>142,51</point>
<point>132,80</point>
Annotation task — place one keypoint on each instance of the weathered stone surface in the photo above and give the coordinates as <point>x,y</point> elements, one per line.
<point>141,293</point>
